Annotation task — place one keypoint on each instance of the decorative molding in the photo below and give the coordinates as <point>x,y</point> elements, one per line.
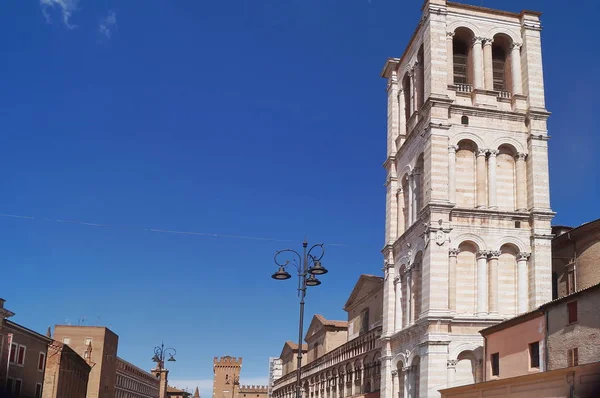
<point>515,46</point>
<point>452,149</point>
<point>482,254</point>
<point>453,252</point>
<point>523,256</point>
<point>481,152</point>
<point>450,35</point>
<point>477,40</point>
<point>493,152</point>
<point>520,156</point>
<point>451,364</point>
<point>487,41</point>
<point>494,254</point>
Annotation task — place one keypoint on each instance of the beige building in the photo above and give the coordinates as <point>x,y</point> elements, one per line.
<point>342,356</point>
<point>575,258</point>
<point>111,376</point>
<point>26,361</point>
<point>468,234</point>
<point>550,351</point>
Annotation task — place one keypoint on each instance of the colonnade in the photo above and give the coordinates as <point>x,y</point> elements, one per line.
<point>407,288</point>
<point>485,177</point>
<point>487,281</point>
<point>482,63</point>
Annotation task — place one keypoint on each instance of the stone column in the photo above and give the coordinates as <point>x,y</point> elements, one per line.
<point>481,183</point>
<point>164,380</point>
<point>515,55</point>
<point>451,372</point>
<point>453,253</point>
<point>482,282</point>
<point>492,201</point>
<point>521,183</point>
<point>411,220</point>
<point>452,173</point>
<point>411,75</point>
<point>408,281</point>
<point>493,282</point>
<point>488,68</point>
<point>416,192</point>
<point>450,52</point>
<point>477,63</point>
<point>522,282</point>
<point>394,377</point>
<point>401,224</point>
<point>401,112</point>
<point>413,293</point>
<point>398,317</point>
<point>417,79</point>
<point>406,374</point>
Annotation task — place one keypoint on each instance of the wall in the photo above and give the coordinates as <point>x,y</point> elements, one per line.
<point>513,346</point>
<point>133,380</point>
<point>583,334</point>
<point>581,244</point>
<point>584,379</point>
<point>102,378</point>
<point>374,304</point>
<point>66,374</point>
<point>28,372</point>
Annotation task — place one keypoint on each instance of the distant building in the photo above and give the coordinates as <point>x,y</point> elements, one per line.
<point>66,374</point>
<point>275,372</point>
<point>550,351</point>
<point>26,361</point>
<point>341,358</point>
<point>111,376</point>
<point>173,392</point>
<point>575,258</point>
<point>132,382</point>
<point>226,382</point>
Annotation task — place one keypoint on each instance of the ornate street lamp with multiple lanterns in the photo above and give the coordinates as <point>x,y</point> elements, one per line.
<point>308,266</point>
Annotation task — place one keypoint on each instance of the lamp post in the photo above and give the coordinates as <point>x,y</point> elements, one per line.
<point>308,265</point>
<point>160,353</point>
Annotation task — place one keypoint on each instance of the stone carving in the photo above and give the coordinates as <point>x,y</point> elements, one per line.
<point>450,35</point>
<point>481,152</point>
<point>516,46</point>
<point>494,254</point>
<point>440,238</point>
<point>451,363</point>
<point>482,254</point>
<point>493,152</point>
<point>521,156</point>
<point>453,252</point>
<point>522,256</point>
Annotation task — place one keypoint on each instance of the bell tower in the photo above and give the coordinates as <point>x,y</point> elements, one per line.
<point>468,233</point>
<point>226,376</point>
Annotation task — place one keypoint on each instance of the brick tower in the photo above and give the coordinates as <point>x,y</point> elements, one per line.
<point>467,239</point>
<point>226,376</point>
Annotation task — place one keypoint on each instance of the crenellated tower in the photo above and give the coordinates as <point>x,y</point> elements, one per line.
<point>226,376</point>
<point>467,235</point>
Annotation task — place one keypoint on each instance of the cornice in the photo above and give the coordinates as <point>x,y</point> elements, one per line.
<point>494,214</point>
<point>484,112</point>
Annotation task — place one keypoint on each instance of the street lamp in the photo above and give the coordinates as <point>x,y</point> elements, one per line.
<point>159,356</point>
<point>308,265</point>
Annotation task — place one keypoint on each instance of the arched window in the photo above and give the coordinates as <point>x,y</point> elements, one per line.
<point>465,281</point>
<point>406,89</point>
<point>505,178</point>
<point>465,174</point>
<point>420,75</point>
<point>461,49</point>
<point>464,120</point>
<point>507,280</point>
<point>500,64</point>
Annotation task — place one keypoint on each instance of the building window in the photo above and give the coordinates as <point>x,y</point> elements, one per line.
<point>572,357</point>
<point>10,384</point>
<point>38,390</point>
<point>572,311</point>
<point>41,361</point>
<point>495,358</point>
<point>13,352</point>
<point>460,51</point>
<point>88,341</point>
<point>21,355</point>
<point>17,389</point>
<point>498,68</point>
<point>464,120</point>
<point>66,340</point>
<point>571,281</point>
<point>534,354</point>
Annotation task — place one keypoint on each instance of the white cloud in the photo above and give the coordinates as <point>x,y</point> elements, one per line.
<point>107,24</point>
<point>67,7</point>
<point>205,386</point>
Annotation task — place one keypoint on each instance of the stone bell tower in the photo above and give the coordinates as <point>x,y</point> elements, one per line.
<point>226,376</point>
<point>467,236</point>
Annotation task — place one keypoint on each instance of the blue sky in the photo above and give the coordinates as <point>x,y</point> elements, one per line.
<point>247,118</point>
